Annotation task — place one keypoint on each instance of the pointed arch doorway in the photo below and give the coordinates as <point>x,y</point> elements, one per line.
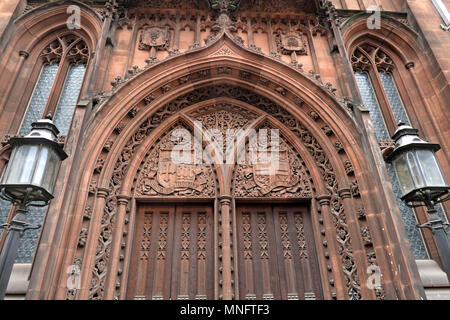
<point>178,238</point>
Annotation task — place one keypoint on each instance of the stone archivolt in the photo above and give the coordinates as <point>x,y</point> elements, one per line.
<point>223,116</point>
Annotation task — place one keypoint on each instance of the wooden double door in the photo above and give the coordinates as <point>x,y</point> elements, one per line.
<point>173,253</point>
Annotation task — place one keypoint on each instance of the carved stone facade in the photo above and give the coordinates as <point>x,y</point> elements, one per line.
<point>124,211</point>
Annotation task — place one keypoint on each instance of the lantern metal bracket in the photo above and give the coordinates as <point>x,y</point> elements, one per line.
<point>426,199</point>
<point>7,227</point>
<point>434,225</point>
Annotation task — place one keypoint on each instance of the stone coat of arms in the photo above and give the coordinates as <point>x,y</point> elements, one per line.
<point>163,176</point>
<point>154,38</point>
<point>291,42</point>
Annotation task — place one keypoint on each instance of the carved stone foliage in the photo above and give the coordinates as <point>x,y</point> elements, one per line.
<point>223,116</point>
<point>265,178</point>
<point>103,250</point>
<point>161,175</point>
<point>345,250</point>
<point>224,120</point>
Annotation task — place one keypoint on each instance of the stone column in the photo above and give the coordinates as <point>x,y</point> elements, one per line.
<point>331,254</point>
<point>91,245</point>
<point>225,245</point>
<point>357,246</point>
<point>118,233</point>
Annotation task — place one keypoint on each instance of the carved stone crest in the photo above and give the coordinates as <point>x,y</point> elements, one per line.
<point>282,177</point>
<point>161,175</point>
<point>291,41</point>
<point>287,179</point>
<point>154,38</point>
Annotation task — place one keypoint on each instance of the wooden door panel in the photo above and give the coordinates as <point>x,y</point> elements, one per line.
<point>276,257</point>
<point>172,253</point>
<point>257,251</point>
<point>192,271</point>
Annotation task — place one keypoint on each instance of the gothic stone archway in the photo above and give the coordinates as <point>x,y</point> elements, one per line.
<point>119,172</point>
<point>320,180</point>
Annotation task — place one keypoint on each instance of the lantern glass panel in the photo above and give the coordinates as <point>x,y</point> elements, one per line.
<point>51,169</point>
<point>41,163</point>
<point>6,173</point>
<point>21,164</point>
<point>415,170</point>
<point>430,168</point>
<point>403,174</point>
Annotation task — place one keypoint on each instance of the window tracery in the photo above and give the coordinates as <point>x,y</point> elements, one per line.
<point>374,73</point>
<point>64,62</point>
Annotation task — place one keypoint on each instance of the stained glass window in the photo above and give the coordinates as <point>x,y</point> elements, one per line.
<point>39,97</point>
<point>69,97</point>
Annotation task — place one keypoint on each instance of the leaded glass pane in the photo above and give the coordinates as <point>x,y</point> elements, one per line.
<point>69,97</point>
<point>408,217</point>
<point>5,206</point>
<point>39,98</point>
<point>28,243</point>
<point>394,98</point>
<point>29,240</point>
<point>371,103</point>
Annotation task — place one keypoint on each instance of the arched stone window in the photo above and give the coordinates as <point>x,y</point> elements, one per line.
<point>374,73</point>
<point>56,91</point>
<point>59,84</point>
